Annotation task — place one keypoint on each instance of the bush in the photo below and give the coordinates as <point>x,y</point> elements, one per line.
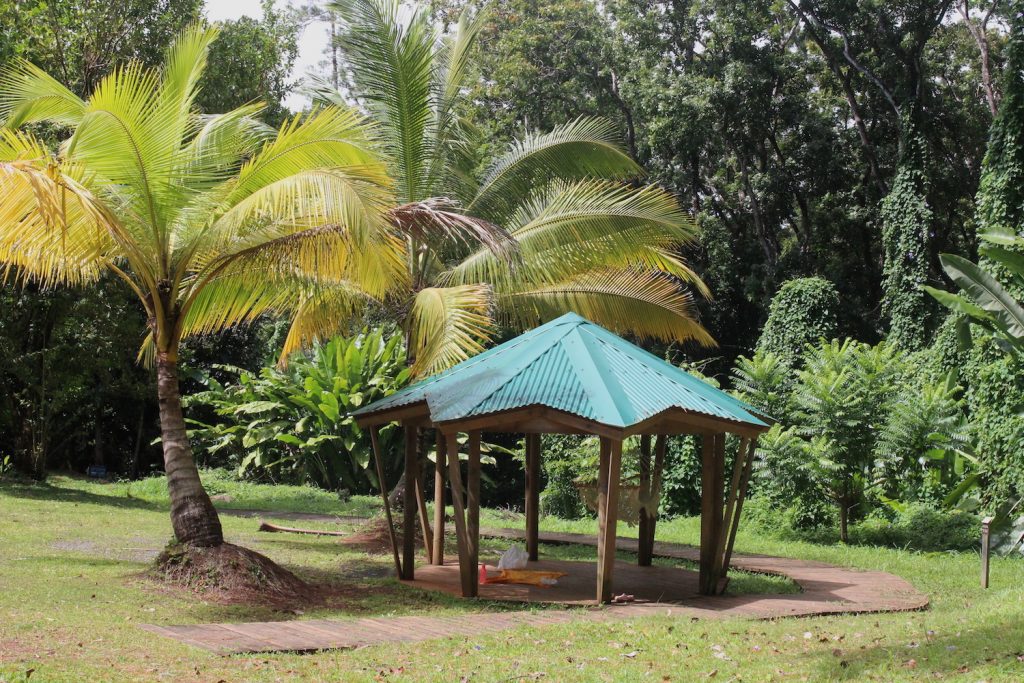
<point>561,462</point>
<point>680,490</point>
<point>919,527</point>
<point>802,312</point>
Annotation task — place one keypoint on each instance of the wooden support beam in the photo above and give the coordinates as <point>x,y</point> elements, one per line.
<point>602,484</point>
<point>608,504</point>
<point>660,446</point>
<point>643,555</point>
<point>720,568</point>
<point>748,467</point>
<point>409,503</point>
<point>375,441</point>
<point>533,496</point>
<point>473,503</point>
<point>421,503</point>
<point>455,480</point>
<point>712,474</point>
<point>437,556</point>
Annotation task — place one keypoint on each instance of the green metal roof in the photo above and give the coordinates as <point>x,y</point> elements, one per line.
<point>569,364</point>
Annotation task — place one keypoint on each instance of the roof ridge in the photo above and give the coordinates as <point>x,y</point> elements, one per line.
<point>525,365</point>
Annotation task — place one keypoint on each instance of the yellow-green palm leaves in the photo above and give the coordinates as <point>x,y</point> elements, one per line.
<point>549,226</point>
<point>212,220</point>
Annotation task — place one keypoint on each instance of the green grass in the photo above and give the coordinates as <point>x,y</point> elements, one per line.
<point>71,598</point>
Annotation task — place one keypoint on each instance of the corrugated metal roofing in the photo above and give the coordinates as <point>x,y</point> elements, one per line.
<point>572,365</point>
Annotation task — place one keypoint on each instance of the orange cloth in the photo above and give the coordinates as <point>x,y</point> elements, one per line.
<point>530,577</point>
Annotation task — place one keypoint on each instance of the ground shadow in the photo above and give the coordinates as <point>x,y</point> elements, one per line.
<point>49,492</point>
<point>933,655</point>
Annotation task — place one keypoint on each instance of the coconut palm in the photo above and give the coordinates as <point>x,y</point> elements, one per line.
<point>210,220</point>
<point>549,226</point>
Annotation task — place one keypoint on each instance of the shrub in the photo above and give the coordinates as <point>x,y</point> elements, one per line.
<point>919,527</point>
<point>802,312</point>
<point>561,462</point>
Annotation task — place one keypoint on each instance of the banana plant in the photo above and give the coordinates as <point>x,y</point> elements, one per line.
<point>294,424</point>
<point>983,299</point>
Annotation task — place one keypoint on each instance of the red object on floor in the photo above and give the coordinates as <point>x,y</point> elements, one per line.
<point>483,573</point>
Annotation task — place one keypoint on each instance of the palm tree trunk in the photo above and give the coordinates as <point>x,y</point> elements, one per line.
<point>193,516</point>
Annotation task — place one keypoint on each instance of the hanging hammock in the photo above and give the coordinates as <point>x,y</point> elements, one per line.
<point>629,499</point>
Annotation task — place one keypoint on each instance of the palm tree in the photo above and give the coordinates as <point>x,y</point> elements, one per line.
<point>210,220</point>
<point>548,227</point>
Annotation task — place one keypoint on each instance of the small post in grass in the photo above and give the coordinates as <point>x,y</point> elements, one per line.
<point>985,542</point>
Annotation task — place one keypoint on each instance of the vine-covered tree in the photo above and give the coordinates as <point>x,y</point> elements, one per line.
<point>804,311</point>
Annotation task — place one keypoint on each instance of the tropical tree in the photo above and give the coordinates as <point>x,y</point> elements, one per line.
<point>210,220</point>
<point>549,226</point>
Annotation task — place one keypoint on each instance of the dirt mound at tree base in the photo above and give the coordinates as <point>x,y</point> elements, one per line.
<point>373,537</point>
<point>232,574</point>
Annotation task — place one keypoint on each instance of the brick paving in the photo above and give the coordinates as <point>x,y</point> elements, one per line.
<point>825,589</point>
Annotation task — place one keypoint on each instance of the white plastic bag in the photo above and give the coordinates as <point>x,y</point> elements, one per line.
<point>513,558</point>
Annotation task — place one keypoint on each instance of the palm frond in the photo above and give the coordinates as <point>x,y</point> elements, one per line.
<point>52,229</point>
<point>391,54</point>
<point>453,152</point>
<point>439,216</point>
<point>584,148</point>
<point>645,304</point>
<point>570,228</point>
<point>223,142</point>
<point>30,95</point>
<point>318,170</point>
<point>323,313</point>
<point>447,325</point>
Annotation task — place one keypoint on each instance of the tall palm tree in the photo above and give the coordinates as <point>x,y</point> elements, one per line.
<point>549,226</point>
<point>210,220</point>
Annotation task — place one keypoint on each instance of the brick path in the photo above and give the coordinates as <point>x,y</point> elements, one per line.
<point>826,589</point>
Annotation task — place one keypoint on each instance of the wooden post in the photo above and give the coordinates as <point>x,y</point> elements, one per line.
<point>375,441</point>
<point>409,503</point>
<point>455,480</point>
<point>421,499</point>
<point>608,504</point>
<point>985,546</point>
<point>473,502</point>
<point>532,496</point>
<point>748,467</point>
<point>730,506</point>
<point>602,485</point>
<point>437,556</point>
<point>712,473</point>
<point>643,555</point>
<point>660,446</point>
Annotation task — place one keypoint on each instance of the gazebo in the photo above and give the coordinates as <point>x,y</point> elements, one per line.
<point>568,376</point>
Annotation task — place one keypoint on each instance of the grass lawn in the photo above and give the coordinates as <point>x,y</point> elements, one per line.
<point>71,595</point>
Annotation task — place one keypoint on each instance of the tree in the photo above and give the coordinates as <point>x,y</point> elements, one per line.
<point>80,42</point>
<point>841,398</point>
<point>548,227</point>
<point>803,311</point>
<point>211,221</point>
<point>993,287</point>
<point>252,60</point>
<point>99,410</point>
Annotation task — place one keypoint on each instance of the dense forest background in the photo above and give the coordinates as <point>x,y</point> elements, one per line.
<point>838,140</point>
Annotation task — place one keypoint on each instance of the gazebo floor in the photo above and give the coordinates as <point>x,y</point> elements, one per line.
<point>646,584</point>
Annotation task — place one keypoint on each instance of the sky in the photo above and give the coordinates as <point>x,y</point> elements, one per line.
<point>312,41</point>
